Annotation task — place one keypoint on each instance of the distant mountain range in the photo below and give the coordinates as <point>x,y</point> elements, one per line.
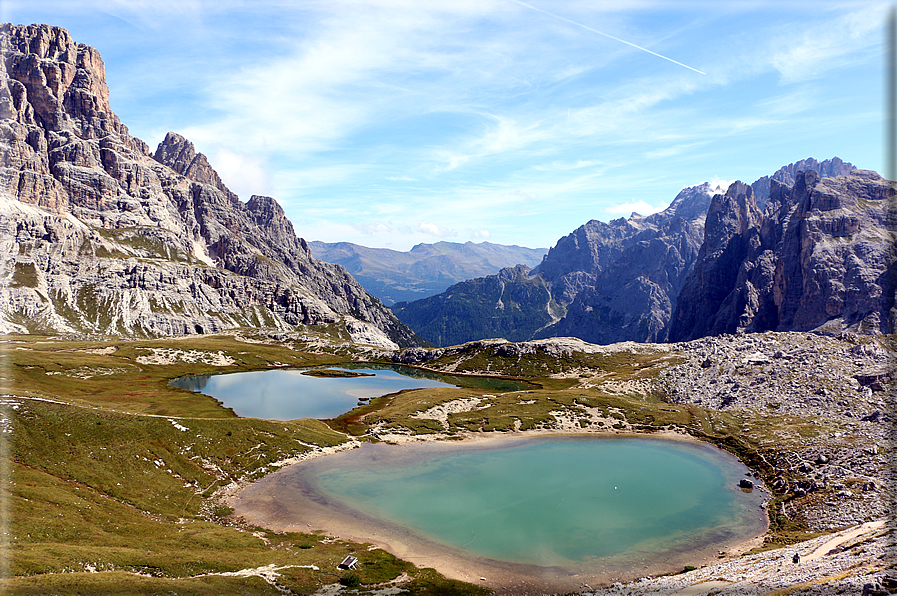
<point>427,269</point>
<point>809,247</point>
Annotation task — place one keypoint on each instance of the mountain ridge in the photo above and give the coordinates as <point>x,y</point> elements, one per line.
<point>576,263</point>
<point>621,280</point>
<point>101,236</point>
<point>426,269</point>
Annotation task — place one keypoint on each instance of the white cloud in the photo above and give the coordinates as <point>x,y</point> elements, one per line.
<point>245,175</point>
<point>720,185</point>
<point>480,234</point>
<point>373,229</point>
<point>432,229</point>
<point>640,207</point>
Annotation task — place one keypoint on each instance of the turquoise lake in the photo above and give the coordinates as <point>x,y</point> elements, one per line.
<point>561,501</point>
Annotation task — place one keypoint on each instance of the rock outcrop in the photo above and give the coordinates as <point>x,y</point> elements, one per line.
<point>102,237</point>
<point>820,257</point>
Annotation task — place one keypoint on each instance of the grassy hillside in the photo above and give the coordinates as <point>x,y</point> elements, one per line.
<point>111,472</point>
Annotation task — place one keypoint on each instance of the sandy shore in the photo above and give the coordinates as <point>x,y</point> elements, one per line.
<point>261,503</point>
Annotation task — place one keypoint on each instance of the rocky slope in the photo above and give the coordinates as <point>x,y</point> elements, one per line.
<point>607,282</point>
<point>425,270</point>
<point>101,236</point>
<point>820,257</point>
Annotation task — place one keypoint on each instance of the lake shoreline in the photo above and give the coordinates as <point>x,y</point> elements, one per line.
<point>256,504</point>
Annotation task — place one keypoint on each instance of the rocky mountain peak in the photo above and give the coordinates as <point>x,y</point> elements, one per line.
<point>828,168</point>
<point>180,155</point>
<point>691,203</point>
<point>65,82</point>
<point>604,282</point>
<point>821,257</point>
<point>787,175</point>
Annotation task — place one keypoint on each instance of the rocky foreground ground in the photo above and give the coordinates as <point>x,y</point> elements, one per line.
<point>853,561</point>
<point>839,479</point>
<point>844,385</point>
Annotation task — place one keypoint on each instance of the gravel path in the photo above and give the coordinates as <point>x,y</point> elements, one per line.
<point>839,564</point>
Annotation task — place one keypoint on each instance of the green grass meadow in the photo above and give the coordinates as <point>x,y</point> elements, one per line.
<point>111,471</point>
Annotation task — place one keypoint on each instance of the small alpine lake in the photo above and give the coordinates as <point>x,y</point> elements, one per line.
<point>562,508</point>
<point>323,393</point>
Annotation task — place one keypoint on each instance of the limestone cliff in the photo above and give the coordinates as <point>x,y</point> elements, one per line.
<point>101,236</point>
<point>820,257</point>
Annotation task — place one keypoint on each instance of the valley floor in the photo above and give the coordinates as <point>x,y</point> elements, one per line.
<point>811,415</point>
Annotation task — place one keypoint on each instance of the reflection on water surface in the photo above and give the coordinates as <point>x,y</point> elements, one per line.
<point>287,394</point>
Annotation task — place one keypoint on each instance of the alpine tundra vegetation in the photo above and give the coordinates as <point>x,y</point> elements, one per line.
<point>123,269</point>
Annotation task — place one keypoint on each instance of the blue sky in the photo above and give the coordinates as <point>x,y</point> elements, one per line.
<point>393,122</point>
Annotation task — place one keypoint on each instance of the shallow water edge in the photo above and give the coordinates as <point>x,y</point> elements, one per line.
<point>309,508</point>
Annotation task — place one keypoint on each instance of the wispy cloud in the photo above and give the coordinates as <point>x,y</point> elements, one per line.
<point>366,118</point>
<point>672,150</point>
<point>823,46</point>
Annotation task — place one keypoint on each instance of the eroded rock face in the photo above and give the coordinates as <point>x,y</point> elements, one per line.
<point>101,236</point>
<point>787,175</point>
<point>821,257</point>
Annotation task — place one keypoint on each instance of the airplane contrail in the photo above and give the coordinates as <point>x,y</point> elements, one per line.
<point>587,28</point>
